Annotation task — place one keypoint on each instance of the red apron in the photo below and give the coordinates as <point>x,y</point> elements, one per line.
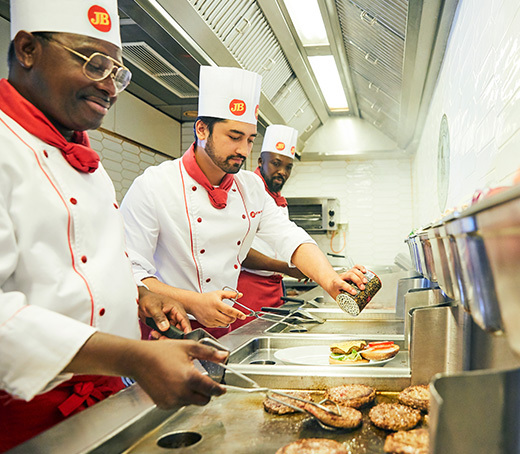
<point>21,420</point>
<point>259,291</point>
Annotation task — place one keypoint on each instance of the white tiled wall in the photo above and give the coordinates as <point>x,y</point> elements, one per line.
<point>479,91</point>
<point>122,159</point>
<point>375,202</point>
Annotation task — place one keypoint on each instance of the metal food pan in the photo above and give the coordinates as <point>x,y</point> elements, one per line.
<point>480,290</point>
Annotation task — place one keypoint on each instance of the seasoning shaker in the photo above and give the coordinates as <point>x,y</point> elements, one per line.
<point>354,304</point>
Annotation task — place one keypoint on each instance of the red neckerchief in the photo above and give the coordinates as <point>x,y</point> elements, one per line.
<point>217,195</point>
<point>278,198</point>
<point>77,153</point>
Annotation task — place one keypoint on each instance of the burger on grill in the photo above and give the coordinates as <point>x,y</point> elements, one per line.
<point>408,442</point>
<point>417,396</point>
<point>355,396</point>
<point>313,446</point>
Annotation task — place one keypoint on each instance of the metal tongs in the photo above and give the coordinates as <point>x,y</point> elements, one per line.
<point>267,315</point>
<point>270,393</point>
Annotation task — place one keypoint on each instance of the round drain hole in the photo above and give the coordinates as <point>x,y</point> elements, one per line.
<point>179,440</point>
<point>263,361</point>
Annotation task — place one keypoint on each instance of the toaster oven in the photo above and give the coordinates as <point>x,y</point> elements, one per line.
<point>314,214</point>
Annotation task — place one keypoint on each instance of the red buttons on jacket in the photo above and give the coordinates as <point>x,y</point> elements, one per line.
<point>45,153</point>
<point>199,219</point>
<point>243,216</point>
<point>234,190</point>
<point>208,279</point>
<point>239,243</point>
<point>202,251</point>
<point>116,206</point>
<point>73,201</point>
<point>84,259</point>
<point>102,312</point>
<point>194,188</point>
<point>236,267</point>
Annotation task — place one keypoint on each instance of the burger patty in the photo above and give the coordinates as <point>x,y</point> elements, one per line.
<point>394,416</point>
<point>270,406</point>
<point>416,397</point>
<point>350,417</point>
<point>313,446</point>
<point>408,442</point>
<point>355,396</point>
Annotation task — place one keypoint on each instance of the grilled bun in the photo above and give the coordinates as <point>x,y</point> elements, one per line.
<point>379,352</point>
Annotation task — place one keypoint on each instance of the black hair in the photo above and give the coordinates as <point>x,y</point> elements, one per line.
<point>11,54</point>
<point>209,122</point>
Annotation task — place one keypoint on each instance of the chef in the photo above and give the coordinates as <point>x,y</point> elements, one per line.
<point>67,292</point>
<point>191,222</point>
<point>264,288</point>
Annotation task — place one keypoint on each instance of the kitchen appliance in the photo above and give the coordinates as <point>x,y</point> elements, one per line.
<point>314,214</point>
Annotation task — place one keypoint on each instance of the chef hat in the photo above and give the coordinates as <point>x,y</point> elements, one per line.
<point>229,93</point>
<point>280,139</point>
<point>94,18</point>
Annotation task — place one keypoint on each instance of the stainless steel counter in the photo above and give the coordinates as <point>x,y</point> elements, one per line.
<point>130,422</point>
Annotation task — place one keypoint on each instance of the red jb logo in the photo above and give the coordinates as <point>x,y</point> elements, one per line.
<point>237,107</point>
<point>280,146</point>
<point>293,150</point>
<point>99,18</point>
<point>256,111</point>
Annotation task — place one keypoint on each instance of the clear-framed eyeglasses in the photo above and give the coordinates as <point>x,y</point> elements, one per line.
<point>99,66</point>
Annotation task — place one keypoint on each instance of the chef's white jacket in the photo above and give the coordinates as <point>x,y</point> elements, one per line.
<point>265,248</point>
<point>64,272</point>
<point>175,234</point>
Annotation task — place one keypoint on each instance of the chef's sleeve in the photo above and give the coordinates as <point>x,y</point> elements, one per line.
<point>283,235</point>
<point>141,228</point>
<point>36,344</point>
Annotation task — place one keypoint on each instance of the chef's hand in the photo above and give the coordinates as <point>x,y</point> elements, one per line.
<point>210,310</point>
<point>355,275</point>
<point>164,310</point>
<point>165,370</point>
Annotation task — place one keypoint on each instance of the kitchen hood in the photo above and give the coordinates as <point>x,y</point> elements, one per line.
<point>388,51</point>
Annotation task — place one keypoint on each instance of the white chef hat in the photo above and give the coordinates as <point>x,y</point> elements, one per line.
<point>229,93</point>
<point>280,139</point>
<point>94,18</point>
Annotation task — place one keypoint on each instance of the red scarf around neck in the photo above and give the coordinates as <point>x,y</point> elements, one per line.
<point>278,198</point>
<point>77,153</point>
<point>217,195</point>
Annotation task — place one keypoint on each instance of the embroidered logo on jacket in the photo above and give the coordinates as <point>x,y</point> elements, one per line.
<point>255,213</point>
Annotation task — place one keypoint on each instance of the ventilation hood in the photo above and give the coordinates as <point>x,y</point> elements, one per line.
<point>389,53</point>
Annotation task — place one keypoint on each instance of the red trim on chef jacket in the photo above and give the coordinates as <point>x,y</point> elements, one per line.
<point>189,225</point>
<point>259,291</point>
<point>22,420</point>
<point>68,219</point>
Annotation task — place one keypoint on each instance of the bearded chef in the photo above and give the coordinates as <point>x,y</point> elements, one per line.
<point>67,292</point>
<point>190,222</point>
<point>275,164</point>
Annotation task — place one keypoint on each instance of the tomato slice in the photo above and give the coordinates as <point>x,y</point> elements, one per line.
<point>380,344</point>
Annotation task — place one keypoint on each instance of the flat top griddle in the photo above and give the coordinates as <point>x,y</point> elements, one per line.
<point>237,423</point>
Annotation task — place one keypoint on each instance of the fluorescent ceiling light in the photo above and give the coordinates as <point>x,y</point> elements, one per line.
<point>306,18</point>
<point>327,75</point>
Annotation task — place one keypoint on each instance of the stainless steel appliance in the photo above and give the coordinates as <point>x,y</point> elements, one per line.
<point>314,214</point>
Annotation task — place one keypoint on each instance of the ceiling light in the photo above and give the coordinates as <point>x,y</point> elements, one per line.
<point>327,75</point>
<point>306,18</point>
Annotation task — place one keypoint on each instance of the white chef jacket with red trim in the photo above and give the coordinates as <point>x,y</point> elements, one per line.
<point>64,273</point>
<point>175,234</point>
<point>265,248</point>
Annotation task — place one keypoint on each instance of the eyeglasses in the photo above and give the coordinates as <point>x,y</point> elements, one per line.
<point>99,66</point>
